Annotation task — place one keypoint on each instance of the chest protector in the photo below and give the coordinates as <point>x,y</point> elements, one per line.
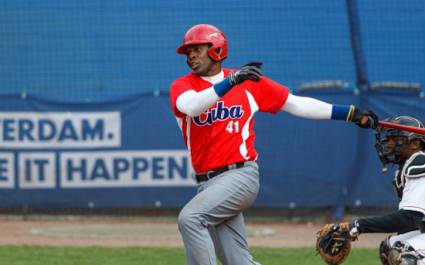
<point>414,167</point>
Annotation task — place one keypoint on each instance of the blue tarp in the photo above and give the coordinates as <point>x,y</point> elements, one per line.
<point>67,155</point>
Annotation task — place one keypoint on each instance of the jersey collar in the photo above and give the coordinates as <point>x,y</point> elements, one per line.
<point>214,79</point>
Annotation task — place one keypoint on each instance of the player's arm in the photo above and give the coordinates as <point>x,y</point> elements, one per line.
<point>311,108</point>
<point>411,212</point>
<point>193,103</point>
<point>401,221</point>
<point>306,107</point>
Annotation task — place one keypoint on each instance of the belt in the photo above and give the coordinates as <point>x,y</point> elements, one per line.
<point>213,173</point>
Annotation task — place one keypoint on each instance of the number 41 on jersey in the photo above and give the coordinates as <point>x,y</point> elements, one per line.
<point>233,126</point>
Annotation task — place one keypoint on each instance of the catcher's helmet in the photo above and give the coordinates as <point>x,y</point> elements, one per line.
<point>206,34</point>
<point>390,153</point>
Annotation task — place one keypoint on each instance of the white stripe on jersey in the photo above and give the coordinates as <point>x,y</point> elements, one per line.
<point>180,122</point>
<point>188,122</point>
<point>245,129</point>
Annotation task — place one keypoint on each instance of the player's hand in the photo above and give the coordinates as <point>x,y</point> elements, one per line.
<point>354,230</point>
<point>333,242</point>
<point>365,118</point>
<point>250,71</point>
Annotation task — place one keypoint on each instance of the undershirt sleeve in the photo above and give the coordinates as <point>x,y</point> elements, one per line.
<point>306,107</point>
<point>401,221</point>
<point>193,103</point>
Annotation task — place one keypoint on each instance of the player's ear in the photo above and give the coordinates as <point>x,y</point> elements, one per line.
<point>415,144</point>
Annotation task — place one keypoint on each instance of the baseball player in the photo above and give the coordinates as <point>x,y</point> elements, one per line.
<point>405,149</point>
<point>215,107</point>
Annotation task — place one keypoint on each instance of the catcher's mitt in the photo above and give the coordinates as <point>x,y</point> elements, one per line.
<point>334,243</point>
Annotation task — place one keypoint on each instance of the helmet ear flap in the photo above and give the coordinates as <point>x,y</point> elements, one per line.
<point>216,53</point>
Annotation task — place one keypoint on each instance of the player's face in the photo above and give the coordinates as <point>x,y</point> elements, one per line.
<point>407,148</point>
<point>396,140</point>
<point>198,60</point>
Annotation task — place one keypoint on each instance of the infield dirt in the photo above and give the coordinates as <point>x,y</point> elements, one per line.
<point>76,231</point>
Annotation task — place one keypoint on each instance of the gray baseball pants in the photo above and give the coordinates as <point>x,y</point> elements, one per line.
<point>212,223</point>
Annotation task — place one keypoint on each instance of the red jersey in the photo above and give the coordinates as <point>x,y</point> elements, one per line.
<point>224,133</point>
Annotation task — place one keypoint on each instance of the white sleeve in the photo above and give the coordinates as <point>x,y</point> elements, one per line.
<point>193,103</point>
<point>306,107</point>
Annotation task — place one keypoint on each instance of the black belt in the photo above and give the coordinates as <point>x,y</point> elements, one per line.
<point>212,173</point>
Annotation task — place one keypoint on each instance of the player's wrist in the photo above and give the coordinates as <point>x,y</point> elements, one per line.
<point>342,112</point>
<point>222,87</point>
<point>354,230</point>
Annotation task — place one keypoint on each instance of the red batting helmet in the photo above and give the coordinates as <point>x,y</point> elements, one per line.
<point>206,34</point>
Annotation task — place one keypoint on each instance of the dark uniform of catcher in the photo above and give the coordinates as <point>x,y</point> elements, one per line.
<point>407,247</point>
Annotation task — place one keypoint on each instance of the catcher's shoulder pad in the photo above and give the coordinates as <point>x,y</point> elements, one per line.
<point>415,166</point>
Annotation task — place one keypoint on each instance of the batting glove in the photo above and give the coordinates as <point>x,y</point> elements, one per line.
<point>363,118</point>
<point>250,71</point>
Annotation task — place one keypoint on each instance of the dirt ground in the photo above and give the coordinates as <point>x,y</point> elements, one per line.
<point>77,231</point>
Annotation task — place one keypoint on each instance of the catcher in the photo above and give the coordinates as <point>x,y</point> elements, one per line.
<point>406,150</point>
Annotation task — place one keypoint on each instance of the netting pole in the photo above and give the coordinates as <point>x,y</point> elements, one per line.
<point>356,45</point>
<point>362,83</point>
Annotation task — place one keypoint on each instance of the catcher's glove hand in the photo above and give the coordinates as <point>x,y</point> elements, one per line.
<point>334,242</point>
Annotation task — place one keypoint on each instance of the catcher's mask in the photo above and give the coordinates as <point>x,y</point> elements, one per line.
<point>391,151</point>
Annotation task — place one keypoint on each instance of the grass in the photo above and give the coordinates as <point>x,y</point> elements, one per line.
<point>37,255</point>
